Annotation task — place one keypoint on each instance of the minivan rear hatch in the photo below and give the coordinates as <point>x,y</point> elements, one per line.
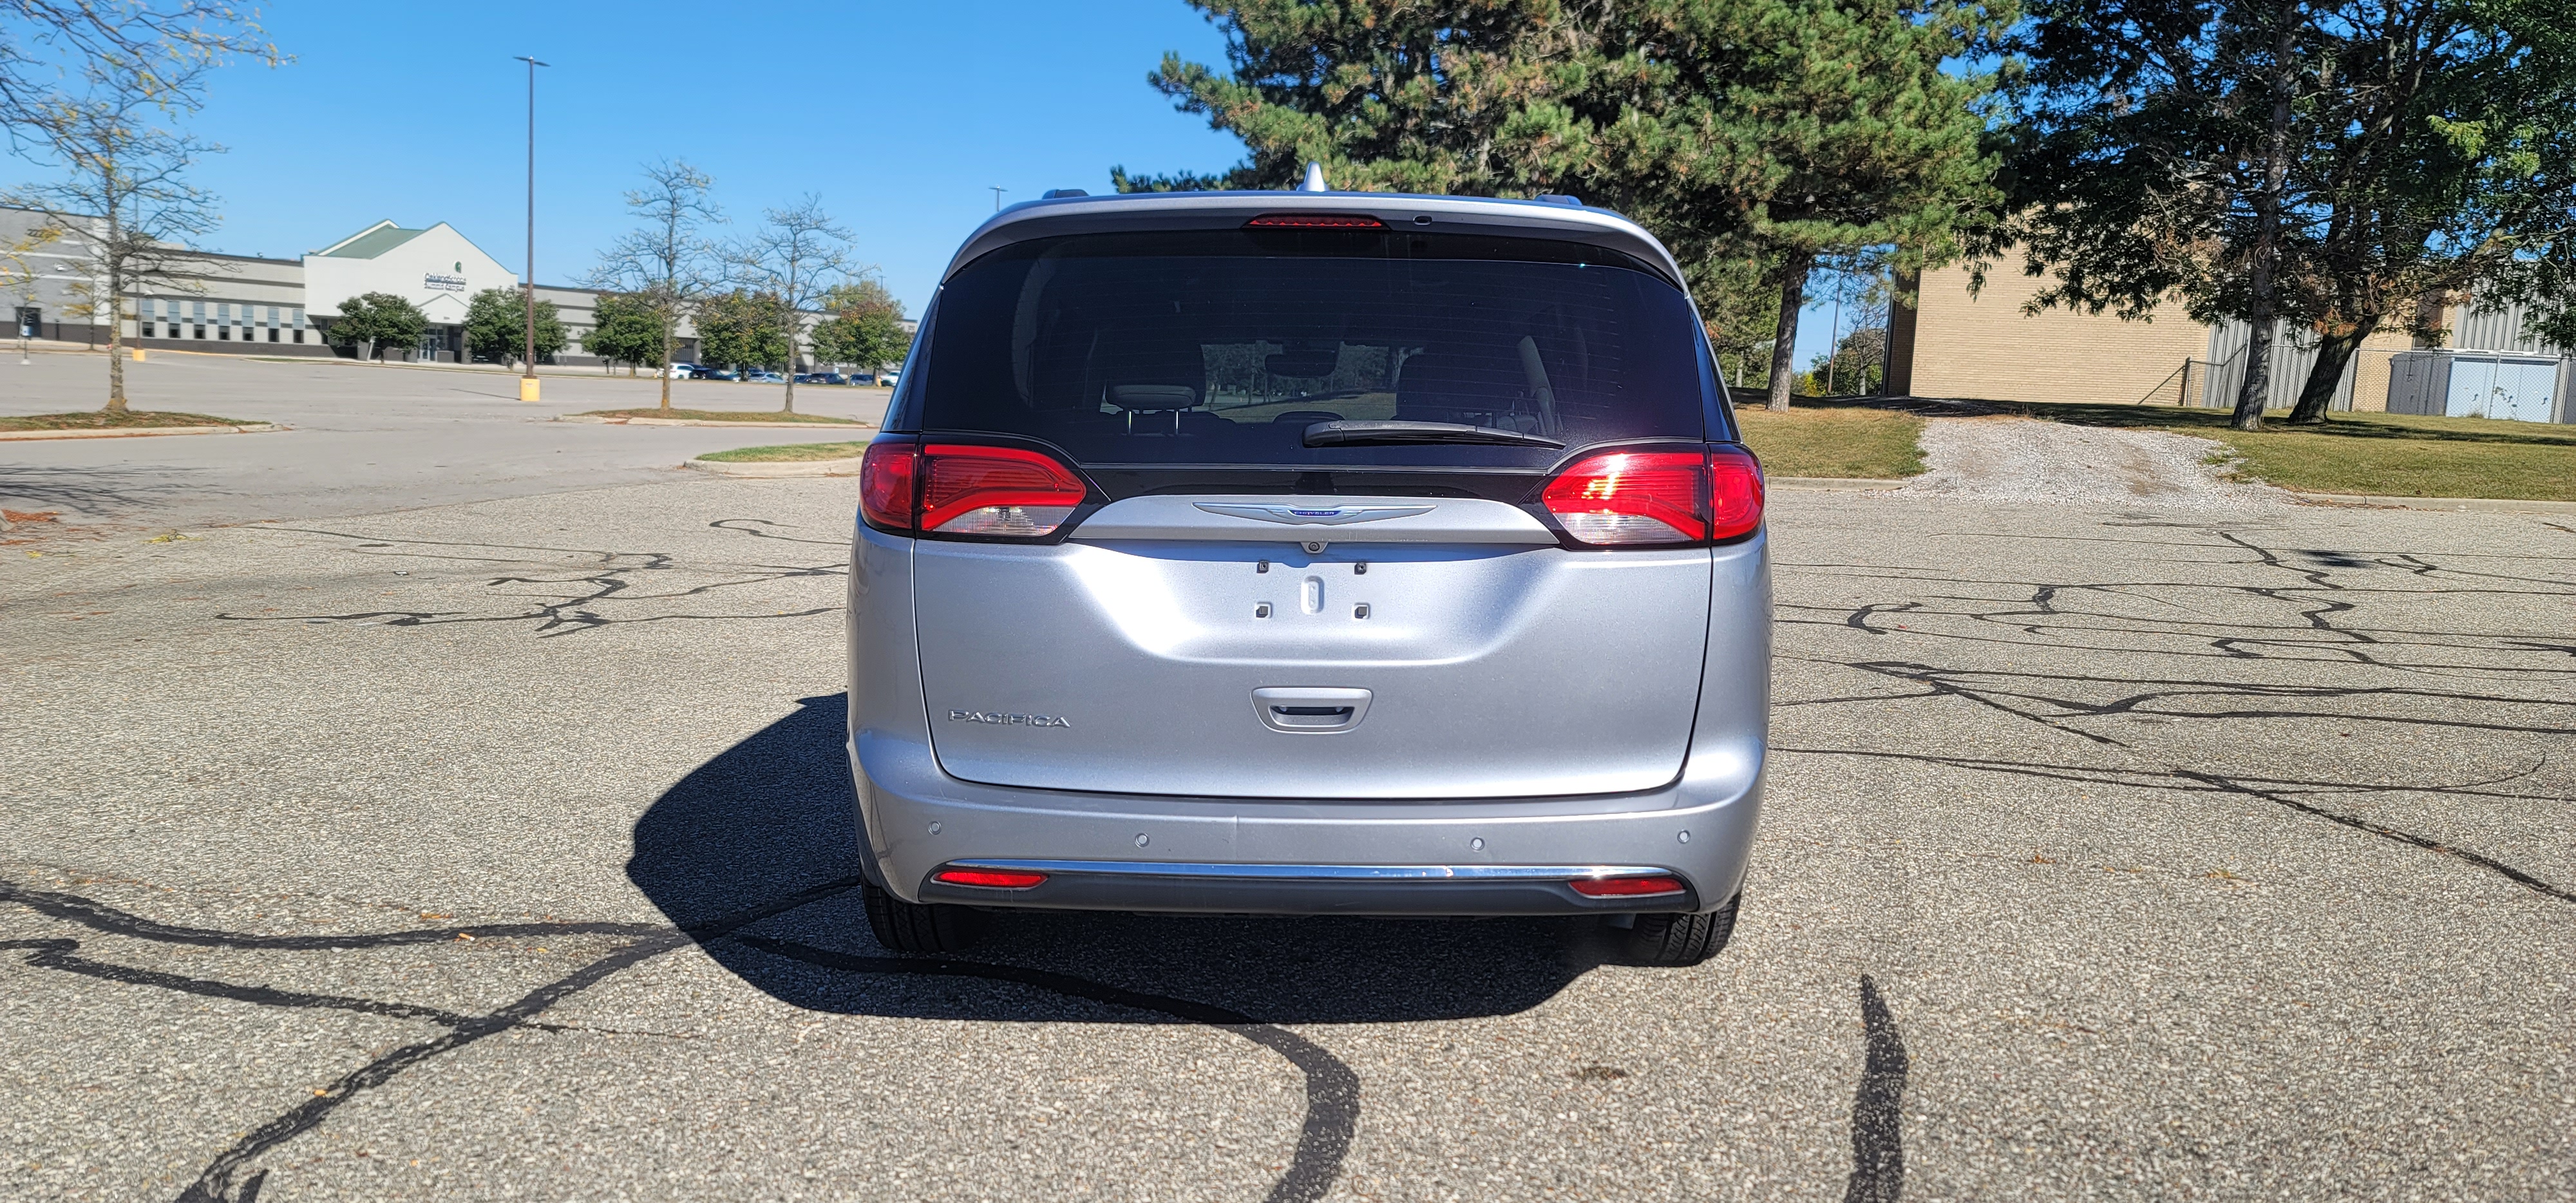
<point>1294,576</point>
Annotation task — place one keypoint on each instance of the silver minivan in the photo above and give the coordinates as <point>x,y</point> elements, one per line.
<point>1310,553</point>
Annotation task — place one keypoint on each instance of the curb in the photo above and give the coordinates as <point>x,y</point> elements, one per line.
<point>136,432</point>
<point>1830,482</point>
<point>773,470</point>
<point>2490,505</point>
<point>2356,501</point>
<point>589,420</point>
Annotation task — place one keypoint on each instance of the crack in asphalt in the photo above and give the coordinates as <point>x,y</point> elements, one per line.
<point>2052,615</point>
<point>1332,1088</point>
<point>1878,1105</point>
<point>573,609</point>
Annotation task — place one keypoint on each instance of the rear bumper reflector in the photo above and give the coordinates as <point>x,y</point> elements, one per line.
<point>1626,887</point>
<point>991,879</point>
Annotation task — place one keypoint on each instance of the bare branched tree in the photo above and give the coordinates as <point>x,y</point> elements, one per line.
<point>122,208</point>
<point>798,256</point>
<point>668,261</point>
<point>162,46</point>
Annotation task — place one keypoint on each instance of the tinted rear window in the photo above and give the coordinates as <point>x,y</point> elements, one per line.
<point>1222,348</point>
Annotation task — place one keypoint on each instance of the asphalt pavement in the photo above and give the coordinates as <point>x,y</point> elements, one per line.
<point>361,439</point>
<point>502,850</point>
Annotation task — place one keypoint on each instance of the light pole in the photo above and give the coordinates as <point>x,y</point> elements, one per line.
<point>998,190</point>
<point>528,291</point>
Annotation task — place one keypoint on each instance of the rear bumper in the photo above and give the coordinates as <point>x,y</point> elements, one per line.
<point>1221,855</point>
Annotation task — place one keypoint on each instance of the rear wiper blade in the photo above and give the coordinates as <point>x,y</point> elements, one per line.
<point>1347,434</point>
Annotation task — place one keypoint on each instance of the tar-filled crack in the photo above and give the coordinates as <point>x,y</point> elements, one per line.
<point>1878,1105</point>
<point>1332,1088</point>
<point>584,598</point>
<point>2320,621</point>
<point>1331,1095</point>
<point>2322,609</point>
<point>2285,793</point>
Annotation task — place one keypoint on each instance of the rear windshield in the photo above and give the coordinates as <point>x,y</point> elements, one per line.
<point>1224,347</point>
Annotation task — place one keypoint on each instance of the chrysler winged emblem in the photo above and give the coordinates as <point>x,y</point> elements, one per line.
<point>1313,515</point>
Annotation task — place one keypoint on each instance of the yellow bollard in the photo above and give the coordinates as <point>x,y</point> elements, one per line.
<point>138,354</point>
<point>527,388</point>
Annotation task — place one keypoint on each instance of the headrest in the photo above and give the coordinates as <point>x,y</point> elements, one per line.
<point>1152,396</point>
<point>1450,378</point>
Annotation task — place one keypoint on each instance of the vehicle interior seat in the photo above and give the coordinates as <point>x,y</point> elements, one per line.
<point>1157,386</point>
<point>1479,387</point>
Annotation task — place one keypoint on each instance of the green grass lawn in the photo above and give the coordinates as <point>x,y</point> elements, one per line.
<point>723,415</point>
<point>2395,455</point>
<point>99,419</point>
<point>789,453</point>
<point>1838,437</point>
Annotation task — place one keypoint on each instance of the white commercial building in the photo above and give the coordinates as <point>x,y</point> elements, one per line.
<point>249,304</point>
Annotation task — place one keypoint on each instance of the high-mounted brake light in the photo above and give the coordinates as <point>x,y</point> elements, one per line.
<point>1314,221</point>
<point>1632,498</point>
<point>991,879</point>
<point>1006,491</point>
<point>1626,887</point>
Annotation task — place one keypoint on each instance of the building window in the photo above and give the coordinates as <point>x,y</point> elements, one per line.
<point>197,318</point>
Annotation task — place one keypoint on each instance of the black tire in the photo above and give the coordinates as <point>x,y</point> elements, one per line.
<point>1679,940</point>
<point>917,927</point>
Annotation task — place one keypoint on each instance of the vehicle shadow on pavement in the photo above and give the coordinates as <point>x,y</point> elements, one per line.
<point>772,816</point>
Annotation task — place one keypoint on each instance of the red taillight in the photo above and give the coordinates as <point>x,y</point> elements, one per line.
<point>1008,491</point>
<point>1626,887</point>
<point>885,485</point>
<point>1628,498</point>
<point>1735,491</point>
<point>1314,221</point>
<point>991,879</point>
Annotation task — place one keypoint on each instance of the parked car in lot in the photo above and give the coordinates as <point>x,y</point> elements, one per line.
<point>821,378</point>
<point>1310,553</point>
<point>885,379</point>
<point>762,376</point>
<point>707,373</point>
<point>684,371</point>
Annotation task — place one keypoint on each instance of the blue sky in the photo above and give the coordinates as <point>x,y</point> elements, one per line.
<point>900,116</point>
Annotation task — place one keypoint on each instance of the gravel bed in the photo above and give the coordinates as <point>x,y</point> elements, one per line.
<point>2023,459</point>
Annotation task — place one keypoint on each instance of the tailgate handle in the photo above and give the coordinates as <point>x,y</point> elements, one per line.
<point>1310,710</point>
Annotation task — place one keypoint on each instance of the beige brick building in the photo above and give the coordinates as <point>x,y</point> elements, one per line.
<point>1984,346</point>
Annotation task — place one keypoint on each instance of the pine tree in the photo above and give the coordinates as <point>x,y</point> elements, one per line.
<point>1771,133</point>
<point>1750,135</point>
<point>1389,95</point>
